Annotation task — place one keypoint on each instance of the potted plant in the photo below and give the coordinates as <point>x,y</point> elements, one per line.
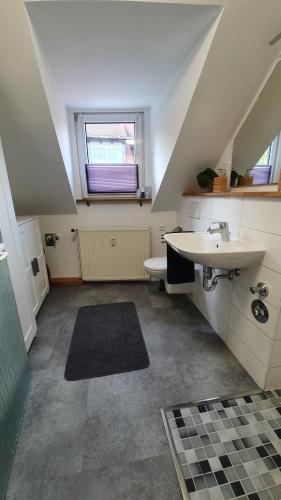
<point>234,176</point>
<point>205,179</point>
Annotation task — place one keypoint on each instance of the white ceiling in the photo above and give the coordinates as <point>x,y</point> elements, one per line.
<point>116,54</point>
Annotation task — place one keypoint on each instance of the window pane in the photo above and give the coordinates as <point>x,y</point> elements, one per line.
<point>110,142</point>
<point>112,178</point>
<point>261,174</point>
<point>264,160</point>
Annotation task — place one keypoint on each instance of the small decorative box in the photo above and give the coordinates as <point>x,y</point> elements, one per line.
<point>220,184</point>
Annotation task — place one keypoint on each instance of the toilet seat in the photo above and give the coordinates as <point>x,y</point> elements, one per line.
<point>156,264</point>
<point>156,267</point>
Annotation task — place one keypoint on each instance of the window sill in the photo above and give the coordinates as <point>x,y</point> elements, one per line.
<point>235,194</point>
<point>113,199</point>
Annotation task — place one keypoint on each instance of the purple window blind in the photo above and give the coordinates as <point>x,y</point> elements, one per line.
<point>112,178</point>
<point>261,174</point>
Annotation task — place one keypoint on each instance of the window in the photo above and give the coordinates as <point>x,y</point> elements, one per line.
<point>264,170</point>
<point>110,150</point>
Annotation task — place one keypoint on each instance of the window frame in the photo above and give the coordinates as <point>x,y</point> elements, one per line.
<point>273,157</point>
<point>80,120</point>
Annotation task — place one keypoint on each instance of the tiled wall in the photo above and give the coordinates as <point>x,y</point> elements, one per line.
<point>228,307</point>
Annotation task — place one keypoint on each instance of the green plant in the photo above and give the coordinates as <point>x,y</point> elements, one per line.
<point>205,178</point>
<point>233,176</point>
<point>240,177</point>
<point>211,172</point>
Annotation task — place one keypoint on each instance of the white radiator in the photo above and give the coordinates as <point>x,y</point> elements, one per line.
<point>114,253</point>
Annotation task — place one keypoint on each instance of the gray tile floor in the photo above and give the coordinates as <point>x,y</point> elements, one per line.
<point>230,448</point>
<point>103,439</point>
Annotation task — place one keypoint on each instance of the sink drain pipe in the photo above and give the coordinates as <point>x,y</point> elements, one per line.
<point>208,275</point>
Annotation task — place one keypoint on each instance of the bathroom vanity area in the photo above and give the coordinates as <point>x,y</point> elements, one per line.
<point>243,303</point>
<point>229,307</point>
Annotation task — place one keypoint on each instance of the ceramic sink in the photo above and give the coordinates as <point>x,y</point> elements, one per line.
<point>209,250</point>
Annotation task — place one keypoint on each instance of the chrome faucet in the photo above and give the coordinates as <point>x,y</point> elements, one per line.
<point>222,228</point>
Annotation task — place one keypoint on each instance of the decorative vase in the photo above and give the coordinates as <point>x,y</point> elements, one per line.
<point>220,184</point>
<point>247,180</point>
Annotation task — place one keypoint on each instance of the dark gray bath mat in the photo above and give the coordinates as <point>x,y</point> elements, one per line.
<point>107,339</point>
<point>227,448</point>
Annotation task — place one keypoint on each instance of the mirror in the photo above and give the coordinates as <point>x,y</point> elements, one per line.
<point>257,146</point>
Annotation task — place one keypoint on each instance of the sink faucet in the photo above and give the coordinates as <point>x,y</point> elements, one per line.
<point>222,228</point>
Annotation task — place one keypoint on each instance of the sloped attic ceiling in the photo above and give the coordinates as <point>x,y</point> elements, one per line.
<point>38,179</point>
<point>237,63</point>
<point>116,54</point>
<point>95,69</point>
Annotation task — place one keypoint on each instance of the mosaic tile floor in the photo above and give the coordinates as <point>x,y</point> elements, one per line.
<point>228,448</point>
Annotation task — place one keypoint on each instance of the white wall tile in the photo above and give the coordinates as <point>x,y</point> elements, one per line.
<point>200,224</point>
<point>273,380</point>
<point>278,328</point>
<point>263,215</point>
<point>228,308</point>
<point>220,305</point>
<point>205,223</point>
<point>250,362</point>
<point>190,206</point>
<point>218,325</point>
<point>215,321</point>
<point>234,231</point>
<point>255,274</point>
<point>242,300</point>
<point>185,221</point>
<point>253,337</point>
<point>270,242</point>
<point>184,206</point>
<point>229,211</point>
<point>206,207</point>
<point>275,359</point>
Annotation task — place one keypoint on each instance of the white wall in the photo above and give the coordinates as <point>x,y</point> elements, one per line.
<point>230,77</point>
<point>55,101</point>
<point>35,166</point>
<point>228,308</point>
<point>63,260</point>
<point>169,111</point>
<point>260,127</point>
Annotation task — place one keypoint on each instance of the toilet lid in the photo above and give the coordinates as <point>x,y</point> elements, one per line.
<point>156,264</point>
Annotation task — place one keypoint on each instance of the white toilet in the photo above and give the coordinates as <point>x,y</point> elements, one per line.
<point>157,268</point>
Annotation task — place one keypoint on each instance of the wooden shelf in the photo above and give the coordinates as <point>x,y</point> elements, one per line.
<point>237,194</point>
<point>111,199</point>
